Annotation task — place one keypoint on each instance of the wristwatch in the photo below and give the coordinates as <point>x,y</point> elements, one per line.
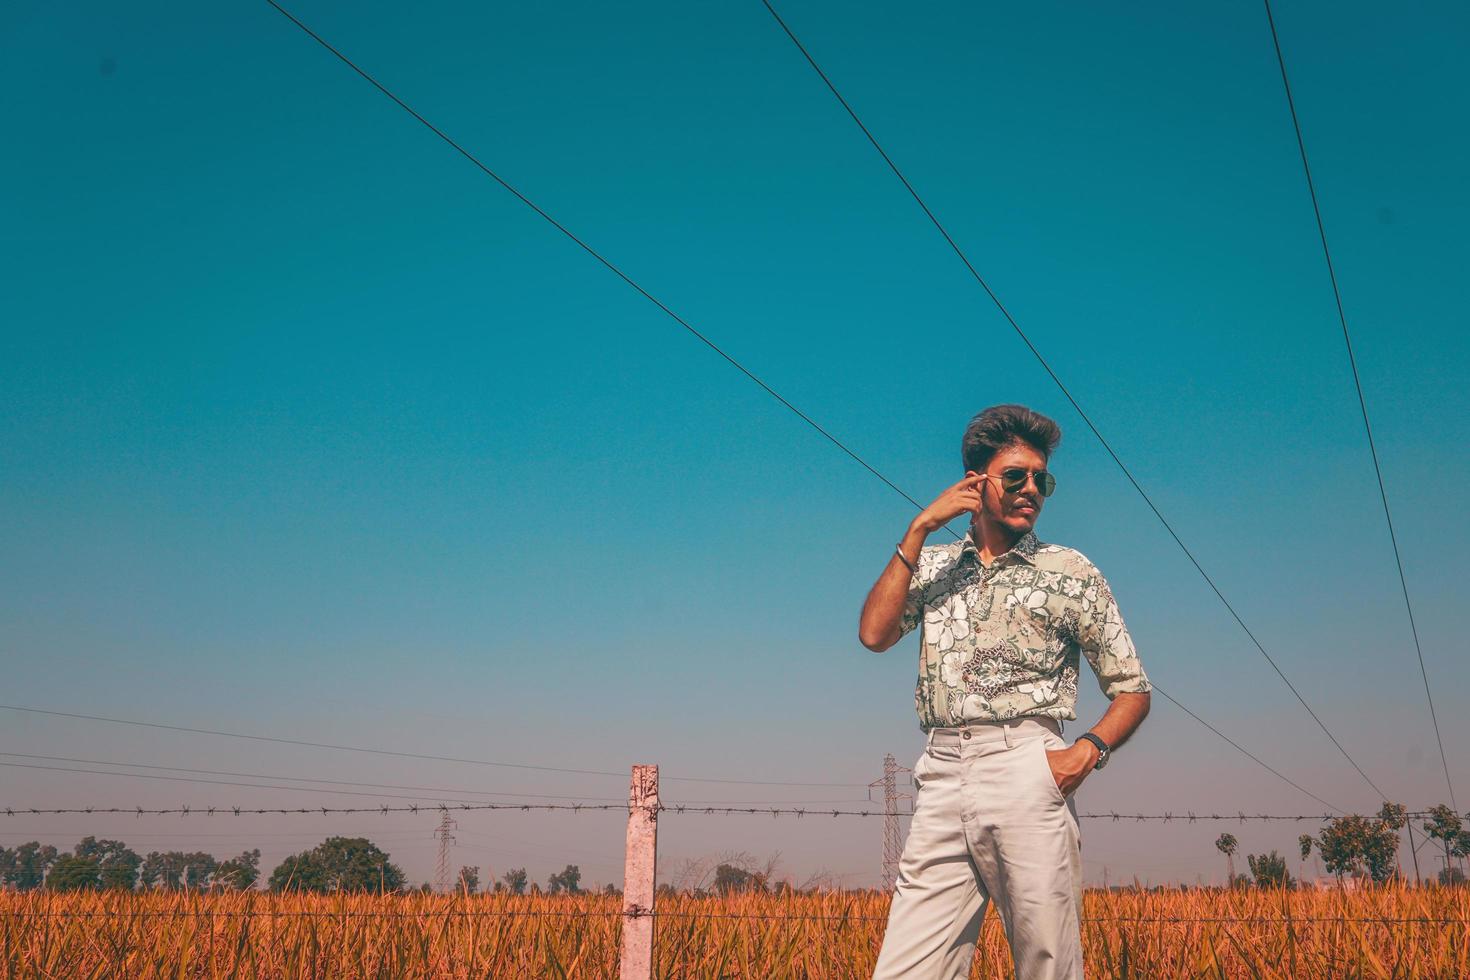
<point>1102,748</point>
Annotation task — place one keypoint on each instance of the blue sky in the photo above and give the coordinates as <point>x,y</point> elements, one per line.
<point>310,429</point>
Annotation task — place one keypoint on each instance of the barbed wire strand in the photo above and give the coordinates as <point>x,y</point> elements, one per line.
<point>974,273</point>
<point>705,340</point>
<point>676,809</point>
<point>1347,340</point>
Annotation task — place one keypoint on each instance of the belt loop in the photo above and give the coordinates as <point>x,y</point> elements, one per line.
<point>1006,730</point>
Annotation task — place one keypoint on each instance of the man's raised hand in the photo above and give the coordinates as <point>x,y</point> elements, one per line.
<point>963,497</point>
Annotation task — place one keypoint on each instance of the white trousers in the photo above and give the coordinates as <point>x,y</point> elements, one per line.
<point>989,825</point>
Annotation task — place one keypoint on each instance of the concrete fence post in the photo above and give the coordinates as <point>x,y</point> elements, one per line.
<point>639,868</point>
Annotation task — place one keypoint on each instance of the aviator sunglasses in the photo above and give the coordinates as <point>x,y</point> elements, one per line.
<point>1014,480</point>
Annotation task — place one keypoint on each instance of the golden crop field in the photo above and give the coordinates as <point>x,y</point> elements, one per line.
<point>1414,932</point>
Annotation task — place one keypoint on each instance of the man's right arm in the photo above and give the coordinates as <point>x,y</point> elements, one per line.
<point>881,624</point>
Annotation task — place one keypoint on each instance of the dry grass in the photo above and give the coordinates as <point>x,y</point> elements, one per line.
<point>1129,934</point>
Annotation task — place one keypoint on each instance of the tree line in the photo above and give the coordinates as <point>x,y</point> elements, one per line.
<point>1359,847</point>
<point>1352,845</point>
<point>95,865</point>
<point>336,864</point>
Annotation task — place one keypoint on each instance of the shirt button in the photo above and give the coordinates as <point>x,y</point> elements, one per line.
<point>966,734</point>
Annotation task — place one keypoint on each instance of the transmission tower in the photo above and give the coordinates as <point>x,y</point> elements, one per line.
<point>445,836</point>
<point>892,837</point>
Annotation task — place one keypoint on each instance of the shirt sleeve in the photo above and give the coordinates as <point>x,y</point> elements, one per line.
<point>1106,643</point>
<point>913,604</point>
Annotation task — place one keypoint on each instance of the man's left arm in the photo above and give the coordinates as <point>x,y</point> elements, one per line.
<point>1071,765</point>
<point>1109,650</point>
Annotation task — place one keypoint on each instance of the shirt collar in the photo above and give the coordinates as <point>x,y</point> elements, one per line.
<point>1024,549</point>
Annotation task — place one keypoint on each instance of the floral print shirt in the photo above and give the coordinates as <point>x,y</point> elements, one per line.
<point>1004,641</point>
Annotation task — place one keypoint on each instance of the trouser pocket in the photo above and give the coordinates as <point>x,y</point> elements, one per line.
<point>1054,792</point>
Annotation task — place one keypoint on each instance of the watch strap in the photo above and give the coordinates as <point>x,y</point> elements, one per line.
<point>1102,748</point>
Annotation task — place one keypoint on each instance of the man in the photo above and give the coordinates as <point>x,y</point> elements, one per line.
<point>1004,620</point>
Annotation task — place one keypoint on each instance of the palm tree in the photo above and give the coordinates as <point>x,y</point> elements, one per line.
<point>1227,845</point>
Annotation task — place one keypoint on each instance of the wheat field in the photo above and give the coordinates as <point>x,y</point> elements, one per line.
<point>1408,932</point>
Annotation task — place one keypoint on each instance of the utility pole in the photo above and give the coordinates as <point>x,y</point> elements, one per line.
<point>446,838</point>
<point>1413,851</point>
<point>892,837</point>
<point>640,873</point>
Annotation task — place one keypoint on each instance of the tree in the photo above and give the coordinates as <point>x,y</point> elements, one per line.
<point>1305,844</point>
<point>1226,843</point>
<point>515,881</point>
<point>1444,826</point>
<point>1357,845</point>
<point>568,880</point>
<point>469,879</point>
<point>729,879</point>
<point>1269,870</point>
<point>1460,848</point>
<point>174,870</point>
<point>742,872</point>
<point>1396,815</point>
<point>338,864</point>
<point>239,873</point>
<point>24,868</point>
<point>74,874</point>
<point>199,869</point>
<point>95,864</point>
<point>157,871</point>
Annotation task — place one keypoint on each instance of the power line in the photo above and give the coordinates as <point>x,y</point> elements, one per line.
<point>702,338</point>
<point>222,782</point>
<point>595,254</point>
<point>1347,340</point>
<point>447,794</point>
<point>402,755</point>
<point>1063,388</point>
<point>1239,748</point>
<point>298,779</point>
<point>446,791</point>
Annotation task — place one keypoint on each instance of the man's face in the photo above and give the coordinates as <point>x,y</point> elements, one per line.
<point>1019,510</point>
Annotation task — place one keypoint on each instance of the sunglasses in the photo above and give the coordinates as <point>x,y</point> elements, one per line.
<point>1014,481</point>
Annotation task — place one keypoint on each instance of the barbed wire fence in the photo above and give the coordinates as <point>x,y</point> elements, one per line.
<point>638,906</point>
<point>678,809</point>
